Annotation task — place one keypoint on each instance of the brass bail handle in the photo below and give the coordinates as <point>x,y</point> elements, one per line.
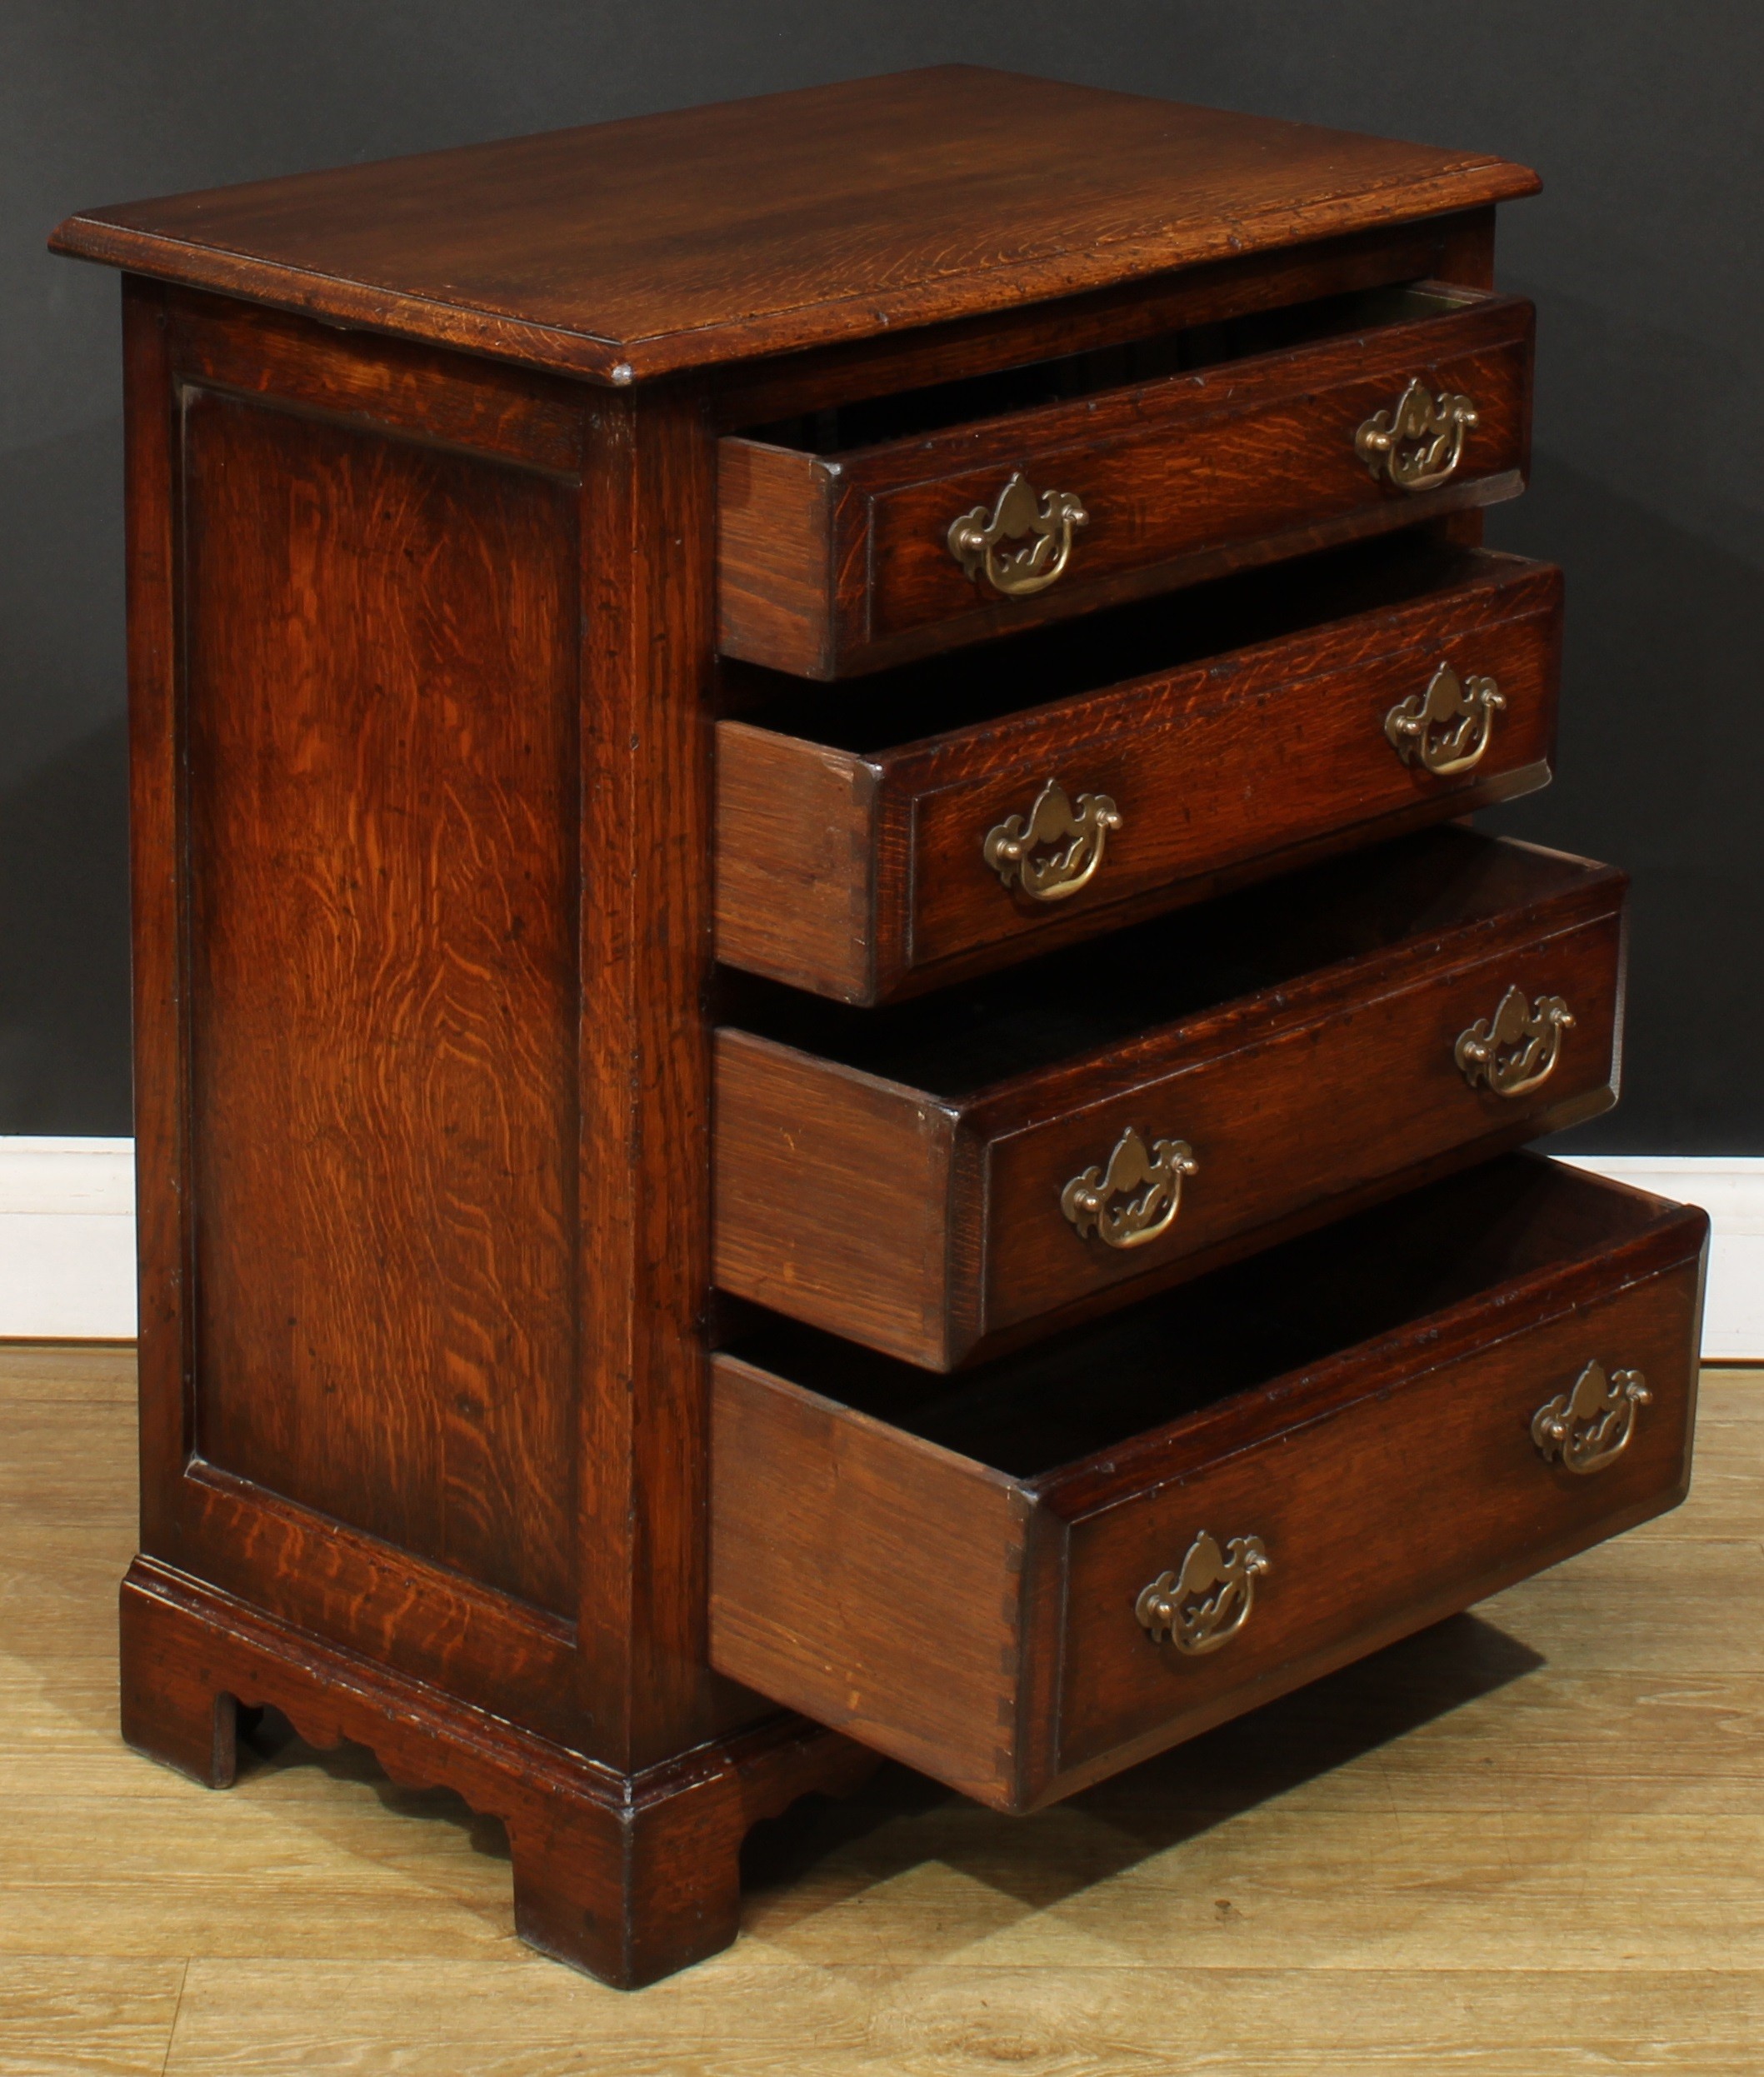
<point>1043,521</point>
<point>1516,1048</point>
<point>1207,1603</point>
<point>1419,441</point>
<point>1148,1181</point>
<point>1073,834</point>
<point>1588,1428</point>
<point>1447,729</point>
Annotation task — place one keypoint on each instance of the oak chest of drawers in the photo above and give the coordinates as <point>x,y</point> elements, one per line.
<point>822,1068</point>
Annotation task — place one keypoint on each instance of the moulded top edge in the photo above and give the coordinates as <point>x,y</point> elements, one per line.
<point>634,249</point>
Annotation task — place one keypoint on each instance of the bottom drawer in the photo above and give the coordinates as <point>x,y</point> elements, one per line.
<point>1028,1575</point>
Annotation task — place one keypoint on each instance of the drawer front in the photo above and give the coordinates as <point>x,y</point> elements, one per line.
<point>879,555</point>
<point>1213,461</point>
<point>1319,1108</point>
<point>1215,766</point>
<point>1393,1513</point>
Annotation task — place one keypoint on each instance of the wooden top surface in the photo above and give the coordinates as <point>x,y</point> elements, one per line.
<point>626,250</point>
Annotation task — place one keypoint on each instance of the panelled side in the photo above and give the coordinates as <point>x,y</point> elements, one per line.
<point>380,736</point>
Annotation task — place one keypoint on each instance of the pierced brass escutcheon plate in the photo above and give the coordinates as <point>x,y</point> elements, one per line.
<point>1516,1048</point>
<point>1076,830</point>
<point>1447,728</point>
<point>1589,1428</point>
<point>1149,1181</point>
<point>1043,522</point>
<point>1207,1603</point>
<point>1419,443</point>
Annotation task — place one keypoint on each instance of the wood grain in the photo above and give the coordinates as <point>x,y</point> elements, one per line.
<point>424,610</point>
<point>812,1597</point>
<point>625,1876</point>
<point>158,949</point>
<point>849,857</point>
<point>1392,1478</point>
<point>796,860</point>
<point>1452,248</point>
<point>777,585</point>
<point>67,2017</point>
<point>843,566</point>
<point>419,661</point>
<point>1400,1866</point>
<point>381,736</point>
<point>643,1171</point>
<point>428,396</point>
<point>635,248</point>
<point>67,1373</point>
<point>1300,1038</point>
<point>862,1161</point>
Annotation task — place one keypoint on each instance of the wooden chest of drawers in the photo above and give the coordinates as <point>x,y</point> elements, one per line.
<point>816,1074</point>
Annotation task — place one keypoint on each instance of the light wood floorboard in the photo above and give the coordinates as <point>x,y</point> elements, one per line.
<point>1529,1842</point>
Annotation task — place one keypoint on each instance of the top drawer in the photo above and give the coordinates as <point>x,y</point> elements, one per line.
<point>882,531</point>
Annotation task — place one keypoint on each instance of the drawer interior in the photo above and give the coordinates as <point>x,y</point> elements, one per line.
<point>944,694</point>
<point>1105,993</point>
<point>911,414</point>
<point>1257,1326</point>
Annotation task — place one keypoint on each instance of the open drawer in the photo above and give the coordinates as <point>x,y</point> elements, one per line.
<point>880,532</point>
<point>931,1178</point>
<point>1027,1577</point>
<point>973,809</point>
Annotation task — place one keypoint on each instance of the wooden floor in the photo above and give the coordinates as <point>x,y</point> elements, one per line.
<point>1529,1842</point>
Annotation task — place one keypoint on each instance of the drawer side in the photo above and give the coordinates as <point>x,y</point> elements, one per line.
<point>796,838</point>
<point>869,1579</point>
<point>775,584</point>
<point>831,1192</point>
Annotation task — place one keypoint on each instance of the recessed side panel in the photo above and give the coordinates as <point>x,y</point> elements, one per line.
<point>380,732</point>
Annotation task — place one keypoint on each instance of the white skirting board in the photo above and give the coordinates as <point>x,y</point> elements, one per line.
<point>67,1239</point>
<point>1731,1189</point>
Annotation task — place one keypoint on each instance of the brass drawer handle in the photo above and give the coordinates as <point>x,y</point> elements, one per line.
<point>1516,1048</point>
<point>1588,1429</point>
<point>1151,1183</point>
<point>1209,1601</point>
<point>1420,440</point>
<point>1447,728</point>
<point>1045,522</point>
<point>1080,831</point>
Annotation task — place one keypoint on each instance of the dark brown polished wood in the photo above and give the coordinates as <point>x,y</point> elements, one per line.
<point>422,1377</point>
<point>955,1578</point>
<point>685,240</point>
<point>837,560</point>
<point>898,1176</point>
<point>425,466</point>
<point>850,857</point>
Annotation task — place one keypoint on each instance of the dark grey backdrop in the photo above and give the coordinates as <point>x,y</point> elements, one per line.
<point>1644,254</point>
